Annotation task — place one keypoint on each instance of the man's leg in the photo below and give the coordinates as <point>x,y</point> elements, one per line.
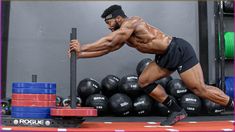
<point>147,78</point>
<point>194,80</point>
<point>146,81</point>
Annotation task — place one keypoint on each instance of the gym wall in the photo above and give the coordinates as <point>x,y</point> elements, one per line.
<point>39,37</point>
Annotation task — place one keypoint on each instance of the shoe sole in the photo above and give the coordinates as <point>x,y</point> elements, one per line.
<point>177,119</point>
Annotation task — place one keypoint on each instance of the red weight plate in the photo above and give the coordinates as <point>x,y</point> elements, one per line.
<point>80,111</point>
<point>32,103</point>
<point>68,107</point>
<point>35,97</point>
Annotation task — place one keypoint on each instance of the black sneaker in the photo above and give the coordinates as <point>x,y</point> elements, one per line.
<point>174,117</point>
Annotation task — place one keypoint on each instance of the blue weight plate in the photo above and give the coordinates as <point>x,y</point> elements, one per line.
<point>229,86</point>
<point>31,109</point>
<point>33,88</point>
<point>33,85</point>
<point>33,91</point>
<point>30,115</point>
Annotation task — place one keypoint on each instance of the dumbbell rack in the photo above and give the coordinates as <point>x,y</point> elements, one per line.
<point>61,117</point>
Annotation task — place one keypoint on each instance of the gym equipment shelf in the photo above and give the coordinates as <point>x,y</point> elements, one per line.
<point>219,27</point>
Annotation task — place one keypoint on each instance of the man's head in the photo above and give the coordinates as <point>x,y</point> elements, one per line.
<point>113,17</point>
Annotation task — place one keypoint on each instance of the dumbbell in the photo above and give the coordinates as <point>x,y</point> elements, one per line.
<point>6,108</point>
<point>59,101</point>
<point>66,102</point>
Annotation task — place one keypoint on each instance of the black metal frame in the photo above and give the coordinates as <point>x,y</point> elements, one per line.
<point>221,35</point>
<point>203,38</point>
<point>5,30</point>
<point>217,50</point>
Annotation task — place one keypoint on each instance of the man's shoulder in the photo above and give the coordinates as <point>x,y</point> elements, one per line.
<point>135,18</point>
<point>133,21</point>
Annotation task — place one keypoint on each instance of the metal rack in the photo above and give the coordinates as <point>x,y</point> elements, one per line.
<point>219,31</point>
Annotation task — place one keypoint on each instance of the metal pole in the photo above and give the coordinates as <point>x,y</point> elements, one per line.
<point>34,78</point>
<point>222,56</point>
<point>217,50</point>
<point>73,72</point>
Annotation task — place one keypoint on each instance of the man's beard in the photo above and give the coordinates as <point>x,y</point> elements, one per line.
<point>117,26</point>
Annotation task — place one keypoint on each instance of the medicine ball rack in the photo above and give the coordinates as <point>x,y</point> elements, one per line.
<point>61,117</point>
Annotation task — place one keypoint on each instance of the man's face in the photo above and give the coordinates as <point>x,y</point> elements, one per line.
<point>112,24</point>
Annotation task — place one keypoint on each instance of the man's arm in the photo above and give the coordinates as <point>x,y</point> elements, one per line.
<point>104,45</point>
<point>97,53</point>
<point>108,42</point>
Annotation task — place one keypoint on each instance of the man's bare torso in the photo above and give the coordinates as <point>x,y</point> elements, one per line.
<point>146,38</point>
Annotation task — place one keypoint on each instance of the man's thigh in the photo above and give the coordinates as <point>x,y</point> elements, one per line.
<point>154,72</point>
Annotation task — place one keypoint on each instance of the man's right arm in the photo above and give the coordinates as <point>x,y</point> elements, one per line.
<point>98,53</point>
<point>109,43</point>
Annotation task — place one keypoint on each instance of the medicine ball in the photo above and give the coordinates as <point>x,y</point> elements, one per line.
<point>176,88</point>
<point>212,108</point>
<point>142,105</point>
<point>99,101</point>
<point>120,104</point>
<point>161,109</point>
<point>110,85</point>
<point>228,6</point>
<point>191,103</point>
<point>129,85</point>
<point>87,87</point>
<point>141,65</point>
<point>164,81</point>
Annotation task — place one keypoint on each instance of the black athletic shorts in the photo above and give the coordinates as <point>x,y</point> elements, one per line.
<point>179,56</point>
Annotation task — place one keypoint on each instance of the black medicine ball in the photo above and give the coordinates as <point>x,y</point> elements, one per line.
<point>87,87</point>
<point>142,105</point>
<point>212,108</point>
<point>176,88</point>
<point>164,81</point>
<point>191,103</point>
<point>129,85</point>
<point>110,85</point>
<point>120,104</point>
<point>99,101</point>
<point>161,109</point>
<point>142,64</point>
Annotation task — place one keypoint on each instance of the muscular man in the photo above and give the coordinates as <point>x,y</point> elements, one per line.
<point>171,54</point>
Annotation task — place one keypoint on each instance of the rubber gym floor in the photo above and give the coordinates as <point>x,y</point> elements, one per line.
<point>223,122</point>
